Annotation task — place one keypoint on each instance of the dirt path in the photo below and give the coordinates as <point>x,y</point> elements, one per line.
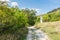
<point>36,34</point>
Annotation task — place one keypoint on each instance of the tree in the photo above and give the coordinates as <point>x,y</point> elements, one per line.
<point>31,14</point>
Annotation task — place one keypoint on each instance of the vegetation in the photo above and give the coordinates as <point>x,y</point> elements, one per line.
<point>53,15</point>
<point>13,22</point>
<point>52,29</point>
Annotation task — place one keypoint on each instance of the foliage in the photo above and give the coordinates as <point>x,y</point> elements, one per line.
<point>13,19</point>
<point>53,15</point>
<point>16,18</point>
<point>30,15</point>
<point>38,19</point>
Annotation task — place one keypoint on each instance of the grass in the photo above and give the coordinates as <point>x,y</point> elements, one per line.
<point>52,29</point>
<point>20,34</point>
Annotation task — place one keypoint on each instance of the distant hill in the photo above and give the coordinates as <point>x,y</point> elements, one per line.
<point>53,15</point>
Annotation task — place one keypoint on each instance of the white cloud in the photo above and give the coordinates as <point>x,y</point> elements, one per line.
<point>14,4</point>
<point>39,11</point>
<point>5,0</point>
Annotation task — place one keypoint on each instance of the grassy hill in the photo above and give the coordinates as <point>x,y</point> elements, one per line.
<point>51,28</point>
<point>51,24</point>
<point>53,15</point>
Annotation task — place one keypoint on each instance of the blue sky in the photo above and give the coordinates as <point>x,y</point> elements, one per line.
<point>42,6</point>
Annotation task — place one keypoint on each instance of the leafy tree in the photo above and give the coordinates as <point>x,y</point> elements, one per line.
<point>31,14</point>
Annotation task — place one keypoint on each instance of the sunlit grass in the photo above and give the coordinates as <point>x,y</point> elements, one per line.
<point>52,29</point>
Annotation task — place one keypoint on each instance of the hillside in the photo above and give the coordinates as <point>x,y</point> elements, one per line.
<point>51,28</point>
<point>53,15</point>
<point>51,24</point>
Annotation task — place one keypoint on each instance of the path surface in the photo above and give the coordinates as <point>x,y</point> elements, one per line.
<point>36,34</point>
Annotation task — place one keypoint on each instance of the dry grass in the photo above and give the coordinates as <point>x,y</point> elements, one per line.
<point>51,28</point>
<point>55,25</point>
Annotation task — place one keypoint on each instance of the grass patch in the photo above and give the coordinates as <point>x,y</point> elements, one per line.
<point>52,29</point>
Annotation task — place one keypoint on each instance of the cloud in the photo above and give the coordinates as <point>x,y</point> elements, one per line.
<point>14,4</point>
<point>39,11</point>
<point>55,1</point>
<point>5,0</point>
